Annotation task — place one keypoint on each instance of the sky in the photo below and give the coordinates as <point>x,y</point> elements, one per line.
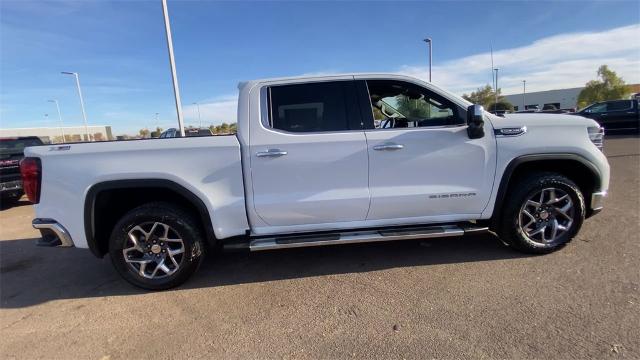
<point>119,50</point>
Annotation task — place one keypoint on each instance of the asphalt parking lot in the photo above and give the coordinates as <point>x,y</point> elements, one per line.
<point>449,298</point>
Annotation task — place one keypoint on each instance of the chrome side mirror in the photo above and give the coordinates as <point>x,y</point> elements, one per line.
<point>475,121</point>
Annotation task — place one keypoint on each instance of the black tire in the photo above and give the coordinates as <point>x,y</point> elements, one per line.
<point>510,231</point>
<point>182,225</point>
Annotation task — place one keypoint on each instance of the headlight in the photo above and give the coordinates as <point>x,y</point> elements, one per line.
<point>596,135</point>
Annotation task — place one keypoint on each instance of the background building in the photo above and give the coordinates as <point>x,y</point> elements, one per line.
<point>54,134</point>
<point>561,98</point>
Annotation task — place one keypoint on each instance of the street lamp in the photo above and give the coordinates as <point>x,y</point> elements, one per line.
<point>172,63</point>
<point>84,114</point>
<point>199,118</point>
<point>524,92</point>
<point>430,42</point>
<point>59,117</point>
<point>496,90</point>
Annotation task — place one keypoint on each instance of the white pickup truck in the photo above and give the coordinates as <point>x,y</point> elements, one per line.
<point>321,161</point>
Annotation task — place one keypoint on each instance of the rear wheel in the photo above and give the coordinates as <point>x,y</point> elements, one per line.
<point>544,213</point>
<point>156,246</point>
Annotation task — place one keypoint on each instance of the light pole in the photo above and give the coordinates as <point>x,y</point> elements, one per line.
<point>430,42</point>
<point>172,63</point>
<point>84,114</point>
<point>524,92</point>
<point>199,117</point>
<point>59,117</point>
<point>496,90</point>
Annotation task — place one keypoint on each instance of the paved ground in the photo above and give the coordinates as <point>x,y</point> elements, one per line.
<point>450,298</point>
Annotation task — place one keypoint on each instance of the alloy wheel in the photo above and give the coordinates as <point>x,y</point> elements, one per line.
<point>546,215</point>
<point>153,250</point>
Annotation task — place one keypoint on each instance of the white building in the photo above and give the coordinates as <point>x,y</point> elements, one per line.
<point>561,99</point>
<point>54,134</point>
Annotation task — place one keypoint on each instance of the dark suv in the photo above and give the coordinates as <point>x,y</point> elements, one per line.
<point>614,114</point>
<point>11,152</point>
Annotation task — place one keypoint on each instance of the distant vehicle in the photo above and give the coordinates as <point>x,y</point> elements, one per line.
<point>614,114</point>
<point>173,132</point>
<point>11,152</point>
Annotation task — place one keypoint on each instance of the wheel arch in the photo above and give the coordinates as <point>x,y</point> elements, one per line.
<point>135,192</point>
<point>576,167</point>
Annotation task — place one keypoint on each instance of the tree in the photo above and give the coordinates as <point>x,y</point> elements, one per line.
<point>609,87</point>
<point>156,133</point>
<point>413,108</point>
<point>484,96</point>
<point>144,133</point>
<point>500,105</point>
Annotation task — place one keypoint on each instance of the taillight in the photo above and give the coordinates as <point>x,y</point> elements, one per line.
<point>31,171</point>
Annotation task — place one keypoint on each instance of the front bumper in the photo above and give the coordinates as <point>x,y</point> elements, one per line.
<point>597,203</point>
<point>53,233</point>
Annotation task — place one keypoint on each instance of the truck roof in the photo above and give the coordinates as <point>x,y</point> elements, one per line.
<point>246,85</point>
<point>320,77</point>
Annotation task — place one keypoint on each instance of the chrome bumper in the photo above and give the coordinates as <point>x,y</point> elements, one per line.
<point>597,200</point>
<point>53,234</point>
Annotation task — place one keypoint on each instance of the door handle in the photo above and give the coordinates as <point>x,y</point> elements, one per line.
<point>388,146</point>
<point>271,153</point>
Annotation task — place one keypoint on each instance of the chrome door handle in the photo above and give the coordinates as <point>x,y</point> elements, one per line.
<point>388,146</point>
<point>271,153</point>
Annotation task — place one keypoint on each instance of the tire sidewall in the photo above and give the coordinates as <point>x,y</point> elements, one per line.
<point>185,228</point>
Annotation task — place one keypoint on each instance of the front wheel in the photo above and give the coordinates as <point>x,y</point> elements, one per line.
<point>156,246</point>
<point>544,212</point>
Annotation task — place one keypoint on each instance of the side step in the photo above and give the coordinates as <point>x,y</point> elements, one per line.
<point>353,237</point>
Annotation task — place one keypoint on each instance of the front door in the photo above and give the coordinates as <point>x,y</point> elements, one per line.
<point>309,156</point>
<point>422,164</point>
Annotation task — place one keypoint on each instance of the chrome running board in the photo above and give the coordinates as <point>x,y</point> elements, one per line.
<point>354,237</point>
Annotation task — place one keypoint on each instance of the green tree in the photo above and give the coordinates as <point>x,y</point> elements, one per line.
<point>609,87</point>
<point>413,108</point>
<point>156,133</point>
<point>500,105</point>
<point>484,96</point>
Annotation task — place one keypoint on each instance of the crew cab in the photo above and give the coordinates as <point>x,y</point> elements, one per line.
<point>614,114</point>
<point>11,152</point>
<point>321,161</point>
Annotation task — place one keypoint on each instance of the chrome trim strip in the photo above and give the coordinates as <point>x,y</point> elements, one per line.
<point>597,200</point>
<point>362,237</point>
<point>57,228</point>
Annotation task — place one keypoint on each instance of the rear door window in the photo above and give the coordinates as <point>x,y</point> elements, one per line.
<point>620,105</point>
<point>312,107</point>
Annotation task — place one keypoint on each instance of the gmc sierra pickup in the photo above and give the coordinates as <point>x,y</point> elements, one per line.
<point>321,161</point>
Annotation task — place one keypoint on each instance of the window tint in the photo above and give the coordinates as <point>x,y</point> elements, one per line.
<point>619,105</point>
<point>309,107</point>
<point>397,104</point>
<point>597,108</point>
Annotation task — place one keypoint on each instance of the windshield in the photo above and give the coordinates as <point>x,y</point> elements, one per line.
<point>13,146</point>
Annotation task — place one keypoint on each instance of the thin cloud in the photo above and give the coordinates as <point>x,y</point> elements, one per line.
<point>561,61</point>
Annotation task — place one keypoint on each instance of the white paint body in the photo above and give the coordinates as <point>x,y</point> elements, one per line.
<point>327,181</point>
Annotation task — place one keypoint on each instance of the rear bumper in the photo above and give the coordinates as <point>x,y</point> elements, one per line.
<point>53,233</point>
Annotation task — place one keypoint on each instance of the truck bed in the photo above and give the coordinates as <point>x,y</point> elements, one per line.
<point>209,167</point>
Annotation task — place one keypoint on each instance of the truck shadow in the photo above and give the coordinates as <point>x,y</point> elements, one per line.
<point>30,275</point>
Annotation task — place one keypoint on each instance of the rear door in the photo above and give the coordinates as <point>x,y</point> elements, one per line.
<point>309,155</point>
<point>620,115</point>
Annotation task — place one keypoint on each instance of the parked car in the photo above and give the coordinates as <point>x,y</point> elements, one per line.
<point>173,132</point>
<point>309,166</point>
<point>11,152</point>
<point>615,114</point>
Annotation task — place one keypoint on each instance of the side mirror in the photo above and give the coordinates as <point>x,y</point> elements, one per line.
<point>475,121</point>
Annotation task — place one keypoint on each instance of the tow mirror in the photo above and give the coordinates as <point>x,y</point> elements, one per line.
<point>475,121</point>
